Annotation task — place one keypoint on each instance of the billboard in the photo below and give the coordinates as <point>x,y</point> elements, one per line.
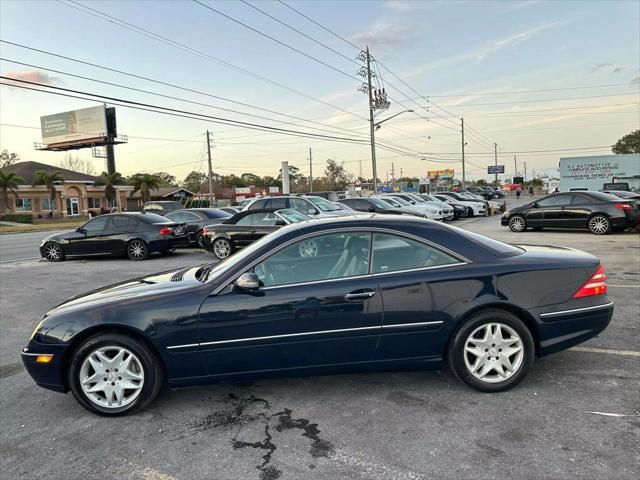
<point>75,126</point>
<point>594,171</point>
<point>493,169</point>
<point>447,173</point>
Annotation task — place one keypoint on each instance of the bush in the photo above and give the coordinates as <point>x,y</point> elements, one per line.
<point>17,217</point>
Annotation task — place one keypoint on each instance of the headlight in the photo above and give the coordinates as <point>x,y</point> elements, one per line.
<point>506,213</point>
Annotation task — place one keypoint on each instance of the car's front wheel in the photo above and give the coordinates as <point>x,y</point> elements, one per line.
<point>492,352</point>
<point>517,223</point>
<point>599,225</point>
<point>53,252</point>
<point>113,374</point>
<point>137,250</point>
<point>199,239</point>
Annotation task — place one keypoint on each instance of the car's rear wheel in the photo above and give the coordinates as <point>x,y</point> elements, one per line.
<point>53,252</point>
<point>199,239</point>
<point>599,225</point>
<point>492,352</point>
<point>113,374</point>
<point>517,223</point>
<point>222,248</point>
<point>137,250</point>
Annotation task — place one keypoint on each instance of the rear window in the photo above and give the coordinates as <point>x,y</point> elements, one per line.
<point>153,218</point>
<point>494,246</point>
<point>605,197</point>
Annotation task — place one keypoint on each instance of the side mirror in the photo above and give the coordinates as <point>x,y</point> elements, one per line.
<point>371,209</point>
<point>248,281</point>
<point>280,223</point>
<point>312,211</point>
<point>81,230</point>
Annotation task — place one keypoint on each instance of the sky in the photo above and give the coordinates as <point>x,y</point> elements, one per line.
<point>542,79</point>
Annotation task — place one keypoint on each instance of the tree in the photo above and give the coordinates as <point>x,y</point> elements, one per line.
<point>109,180</point>
<point>8,158</point>
<point>77,164</point>
<point>166,179</point>
<point>9,183</point>
<point>48,179</point>
<point>144,183</point>
<point>337,176</point>
<point>481,183</point>
<point>193,182</point>
<point>630,143</point>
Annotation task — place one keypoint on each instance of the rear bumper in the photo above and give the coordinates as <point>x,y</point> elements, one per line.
<point>560,329</point>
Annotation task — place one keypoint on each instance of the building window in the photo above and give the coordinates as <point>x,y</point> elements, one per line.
<point>93,202</point>
<point>47,204</point>
<point>113,203</point>
<point>23,204</point>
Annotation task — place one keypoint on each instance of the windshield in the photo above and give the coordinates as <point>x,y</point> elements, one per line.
<point>323,205</point>
<point>402,201</point>
<point>488,243</point>
<point>417,198</point>
<point>379,203</point>
<point>291,215</point>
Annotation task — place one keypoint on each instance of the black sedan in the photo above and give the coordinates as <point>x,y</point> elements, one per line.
<point>375,205</point>
<point>245,228</point>
<point>387,292</point>
<point>196,219</point>
<point>135,235</point>
<point>596,211</point>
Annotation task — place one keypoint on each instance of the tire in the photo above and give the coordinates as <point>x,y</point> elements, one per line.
<point>53,252</point>
<point>222,248</point>
<point>465,213</point>
<point>599,225</point>
<point>490,360</point>
<point>137,250</point>
<point>139,368</point>
<point>517,223</point>
<point>199,237</point>
<point>496,196</point>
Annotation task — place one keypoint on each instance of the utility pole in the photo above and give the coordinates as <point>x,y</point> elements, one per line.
<point>515,166</point>
<point>371,125</point>
<point>310,171</point>
<point>393,176</point>
<point>463,171</point>
<point>401,177</point>
<point>495,156</point>
<point>525,171</point>
<point>210,171</point>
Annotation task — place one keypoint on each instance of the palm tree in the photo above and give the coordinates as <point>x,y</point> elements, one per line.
<point>144,183</point>
<point>48,179</point>
<point>109,180</point>
<point>9,182</point>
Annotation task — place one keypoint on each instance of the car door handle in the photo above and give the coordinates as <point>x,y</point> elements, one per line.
<point>359,295</point>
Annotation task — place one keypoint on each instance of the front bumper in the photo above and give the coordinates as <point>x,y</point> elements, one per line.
<point>47,375</point>
<point>504,221</point>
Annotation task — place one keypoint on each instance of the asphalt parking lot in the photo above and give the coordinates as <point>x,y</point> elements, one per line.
<point>577,415</point>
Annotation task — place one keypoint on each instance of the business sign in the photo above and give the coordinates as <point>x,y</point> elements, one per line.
<point>274,189</point>
<point>447,173</point>
<point>75,126</point>
<point>242,190</point>
<point>493,169</point>
<point>594,171</point>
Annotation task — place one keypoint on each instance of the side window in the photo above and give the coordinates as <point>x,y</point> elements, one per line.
<point>392,253</point>
<point>278,203</point>
<point>301,205</point>
<point>247,219</point>
<point>579,200</point>
<point>96,225</point>
<point>337,255</point>
<point>174,216</point>
<point>258,204</point>
<point>188,217</point>
<point>267,218</point>
<point>118,224</point>
<point>555,200</point>
<point>363,205</point>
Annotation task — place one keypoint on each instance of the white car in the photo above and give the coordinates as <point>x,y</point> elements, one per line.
<point>478,208</point>
<point>447,210</point>
<point>428,211</point>
<point>421,202</point>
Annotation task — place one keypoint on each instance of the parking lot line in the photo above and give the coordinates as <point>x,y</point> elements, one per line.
<point>624,286</point>
<point>625,353</point>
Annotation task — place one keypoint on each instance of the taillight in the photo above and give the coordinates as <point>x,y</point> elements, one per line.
<point>596,285</point>
<point>623,206</point>
<point>166,231</point>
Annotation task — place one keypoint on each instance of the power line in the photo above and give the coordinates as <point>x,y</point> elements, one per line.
<point>531,91</point>
<point>541,100</point>
<point>166,110</point>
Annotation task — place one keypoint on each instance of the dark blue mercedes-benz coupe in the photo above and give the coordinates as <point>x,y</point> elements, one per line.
<point>369,292</point>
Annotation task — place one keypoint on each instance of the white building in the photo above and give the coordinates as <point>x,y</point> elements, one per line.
<point>593,172</point>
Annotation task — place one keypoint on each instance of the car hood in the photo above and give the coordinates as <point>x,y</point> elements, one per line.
<point>135,288</point>
<point>58,236</point>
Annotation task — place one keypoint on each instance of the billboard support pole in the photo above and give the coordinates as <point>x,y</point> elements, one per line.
<point>111,158</point>
<point>495,156</point>
<point>210,171</point>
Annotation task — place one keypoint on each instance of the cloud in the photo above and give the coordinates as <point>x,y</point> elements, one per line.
<point>36,76</point>
<point>400,5</point>
<point>636,80</point>
<point>523,4</point>
<point>618,69</point>
<point>601,66</point>
<point>385,35</point>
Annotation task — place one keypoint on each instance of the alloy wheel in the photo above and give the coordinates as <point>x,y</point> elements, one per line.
<point>222,248</point>
<point>111,377</point>
<point>599,225</point>
<point>137,250</point>
<point>308,248</point>
<point>53,252</point>
<point>517,224</point>
<point>493,352</point>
